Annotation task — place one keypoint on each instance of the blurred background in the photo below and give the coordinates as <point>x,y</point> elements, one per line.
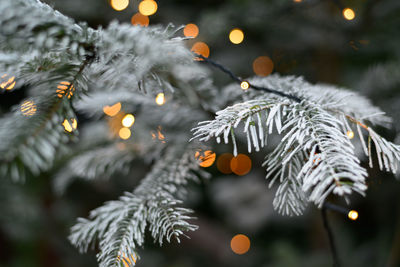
<point>350,43</point>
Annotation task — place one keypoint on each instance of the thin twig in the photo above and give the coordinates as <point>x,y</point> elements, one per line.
<point>335,256</point>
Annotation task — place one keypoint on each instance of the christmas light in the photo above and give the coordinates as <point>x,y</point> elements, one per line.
<point>128,120</point>
<point>9,84</point>
<point>191,30</point>
<point>71,125</point>
<point>236,36</point>
<point>206,158</point>
<point>28,108</point>
<point>148,7</point>
<point>350,134</point>
<point>240,244</point>
<point>160,99</point>
<point>112,110</point>
<point>139,19</point>
<point>124,133</point>
<point>349,14</point>
<point>245,85</point>
<point>65,89</point>
<point>224,163</point>
<point>353,215</point>
<point>201,49</point>
<point>263,66</point>
<point>119,5</point>
<point>241,164</point>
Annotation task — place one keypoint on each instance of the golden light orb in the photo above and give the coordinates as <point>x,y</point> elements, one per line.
<point>112,110</point>
<point>124,133</point>
<point>224,163</point>
<point>119,5</point>
<point>353,215</point>
<point>245,85</point>
<point>236,36</point>
<point>9,84</point>
<point>201,49</point>
<point>349,13</point>
<point>350,134</point>
<point>160,99</point>
<point>28,108</point>
<point>65,89</point>
<point>191,30</point>
<point>206,158</point>
<point>70,125</point>
<point>128,120</point>
<point>240,244</point>
<point>139,19</point>
<point>241,164</point>
<point>263,66</point>
<point>148,7</point>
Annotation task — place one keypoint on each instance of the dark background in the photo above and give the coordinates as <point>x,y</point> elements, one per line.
<point>310,38</point>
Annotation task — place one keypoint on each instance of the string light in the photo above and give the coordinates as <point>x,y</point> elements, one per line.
<point>350,134</point>
<point>119,5</point>
<point>65,89</point>
<point>69,126</point>
<point>297,1</point>
<point>245,85</point>
<point>128,120</point>
<point>160,99</point>
<point>201,49</point>
<point>139,19</point>
<point>112,110</point>
<point>9,84</point>
<point>148,7</point>
<point>263,66</point>
<point>241,164</point>
<point>240,244</point>
<point>126,260</point>
<point>224,163</point>
<point>236,36</point>
<point>28,108</point>
<point>124,133</point>
<point>205,159</point>
<point>353,215</point>
<point>349,13</point>
<point>191,30</point>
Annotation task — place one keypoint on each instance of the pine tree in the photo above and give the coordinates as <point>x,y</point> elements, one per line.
<point>70,71</point>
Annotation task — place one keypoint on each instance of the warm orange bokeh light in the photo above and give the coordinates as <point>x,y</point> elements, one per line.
<point>112,110</point>
<point>263,66</point>
<point>349,14</point>
<point>9,84</point>
<point>160,99</point>
<point>241,164</point>
<point>224,163</point>
<point>353,215</point>
<point>206,158</point>
<point>201,49</point>
<point>70,125</point>
<point>350,134</point>
<point>124,133</point>
<point>119,5</point>
<point>65,89</point>
<point>236,36</point>
<point>28,108</point>
<point>128,120</point>
<point>148,7</point>
<point>244,85</point>
<point>240,244</point>
<point>297,1</point>
<point>191,30</point>
<point>126,260</point>
<point>139,19</point>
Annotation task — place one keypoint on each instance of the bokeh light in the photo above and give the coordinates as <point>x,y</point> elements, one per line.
<point>128,120</point>
<point>160,99</point>
<point>70,125</point>
<point>201,49</point>
<point>206,158</point>
<point>263,66</point>
<point>28,108</point>
<point>244,85</point>
<point>350,134</point>
<point>349,14</point>
<point>7,84</point>
<point>224,163</point>
<point>240,244</point>
<point>191,30</point>
<point>148,7</point>
<point>353,215</point>
<point>112,110</point>
<point>241,164</point>
<point>124,133</point>
<point>236,36</point>
<point>139,19</point>
<point>119,5</point>
<point>65,89</point>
